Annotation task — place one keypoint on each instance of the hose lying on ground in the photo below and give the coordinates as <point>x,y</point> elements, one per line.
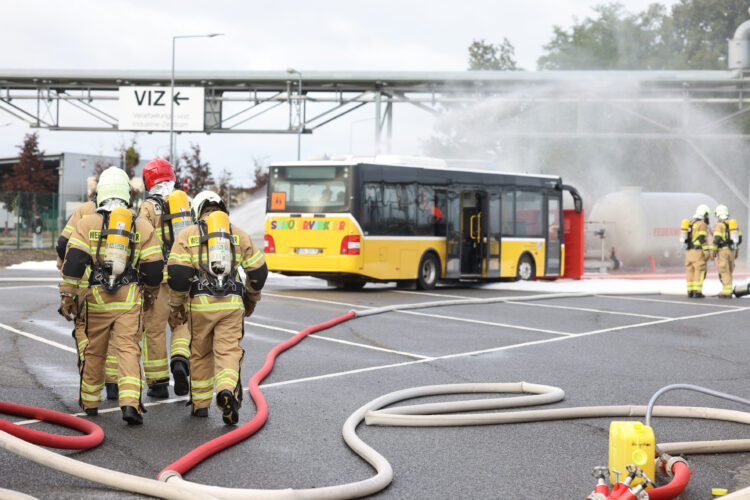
<point>376,414</point>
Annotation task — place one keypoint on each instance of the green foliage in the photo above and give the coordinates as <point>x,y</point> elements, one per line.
<point>692,35</point>
<point>486,56</point>
<point>197,172</point>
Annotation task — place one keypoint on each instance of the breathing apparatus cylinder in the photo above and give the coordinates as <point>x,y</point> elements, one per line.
<point>733,232</point>
<point>684,230</point>
<point>178,203</point>
<point>117,247</point>
<point>219,248</point>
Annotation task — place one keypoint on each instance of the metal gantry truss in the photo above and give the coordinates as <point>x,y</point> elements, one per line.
<point>236,102</point>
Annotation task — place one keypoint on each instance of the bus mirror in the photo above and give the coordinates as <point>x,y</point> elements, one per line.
<point>578,204</point>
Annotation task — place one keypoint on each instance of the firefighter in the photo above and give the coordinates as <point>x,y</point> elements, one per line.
<point>697,253</point>
<point>168,216</point>
<point>207,293</point>
<point>122,252</point>
<point>725,248</point>
<point>79,330</point>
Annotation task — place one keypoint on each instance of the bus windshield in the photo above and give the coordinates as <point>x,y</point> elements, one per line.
<point>309,189</point>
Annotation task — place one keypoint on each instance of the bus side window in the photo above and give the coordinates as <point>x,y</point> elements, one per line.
<point>372,211</point>
<point>529,207</point>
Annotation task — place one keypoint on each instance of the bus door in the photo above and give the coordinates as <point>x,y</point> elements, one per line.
<point>453,236</point>
<point>553,236</point>
<point>474,245</point>
<point>493,236</point>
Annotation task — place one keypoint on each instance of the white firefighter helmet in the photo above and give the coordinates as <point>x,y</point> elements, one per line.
<point>722,212</point>
<point>113,183</point>
<point>702,211</point>
<point>204,197</point>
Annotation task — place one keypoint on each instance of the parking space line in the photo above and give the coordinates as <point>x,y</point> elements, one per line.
<point>536,304</point>
<point>27,286</point>
<point>622,297</point>
<point>340,341</point>
<point>40,339</point>
<point>309,299</point>
<point>408,292</point>
<point>489,323</point>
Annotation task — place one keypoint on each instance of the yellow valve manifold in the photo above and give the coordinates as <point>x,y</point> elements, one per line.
<point>117,247</point>
<point>219,248</point>
<point>179,204</point>
<point>684,229</point>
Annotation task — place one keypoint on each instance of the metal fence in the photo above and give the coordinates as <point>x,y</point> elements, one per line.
<point>29,220</point>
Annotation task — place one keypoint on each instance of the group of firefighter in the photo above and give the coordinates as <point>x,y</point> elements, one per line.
<point>126,276</point>
<point>722,245</point>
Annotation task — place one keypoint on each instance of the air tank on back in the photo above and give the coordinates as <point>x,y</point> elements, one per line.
<point>640,227</point>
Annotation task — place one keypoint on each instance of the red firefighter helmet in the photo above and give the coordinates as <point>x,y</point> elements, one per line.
<point>156,171</point>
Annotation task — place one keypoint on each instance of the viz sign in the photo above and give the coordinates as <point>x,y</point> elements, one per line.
<point>148,108</point>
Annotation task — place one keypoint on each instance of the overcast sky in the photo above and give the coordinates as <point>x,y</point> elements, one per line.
<point>321,35</point>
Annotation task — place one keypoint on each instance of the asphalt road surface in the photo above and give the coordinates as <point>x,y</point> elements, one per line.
<point>601,350</point>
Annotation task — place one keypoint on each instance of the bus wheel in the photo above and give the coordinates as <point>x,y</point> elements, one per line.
<point>526,269</point>
<point>428,272</point>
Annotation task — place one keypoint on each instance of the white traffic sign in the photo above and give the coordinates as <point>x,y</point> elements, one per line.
<point>147,108</point>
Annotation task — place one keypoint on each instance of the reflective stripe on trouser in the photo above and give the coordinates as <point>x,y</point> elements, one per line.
<point>123,326</point>
<point>180,346</point>
<point>725,258</point>
<point>154,343</point>
<point>695,265</point>
<point>215,353</point>
<point>110,363</point>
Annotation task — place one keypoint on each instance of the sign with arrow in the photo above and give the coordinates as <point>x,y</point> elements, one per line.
<point>148,108</point>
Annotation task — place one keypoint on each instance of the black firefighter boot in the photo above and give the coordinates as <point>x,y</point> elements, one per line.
<point>230,407</point>
<point>160,391</point>
<point>112,390</point>
<point>131,416</point>
<point>180,372</point>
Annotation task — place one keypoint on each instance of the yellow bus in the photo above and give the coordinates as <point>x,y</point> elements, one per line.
<point>416,222</point>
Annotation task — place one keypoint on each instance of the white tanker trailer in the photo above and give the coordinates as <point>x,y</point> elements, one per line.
<point>640,227</point>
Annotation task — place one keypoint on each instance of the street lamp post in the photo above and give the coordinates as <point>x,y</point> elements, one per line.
<point>83,180</point>
<point>299,108</point>
<point>171,90</point>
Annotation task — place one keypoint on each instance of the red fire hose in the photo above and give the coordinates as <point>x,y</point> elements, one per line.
<point>676,486</point>
<point>93,433</point>
<point>214,446</point>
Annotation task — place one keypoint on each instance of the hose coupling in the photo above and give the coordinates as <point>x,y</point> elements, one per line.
<point>169,474</point>
<point>601,473</point>
<point>639,491</point>
<point>669,467</point>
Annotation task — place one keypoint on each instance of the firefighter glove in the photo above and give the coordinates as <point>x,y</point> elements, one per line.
<point>149,297</point>
<point>68,306</point>
<point>177,315</point>
<point>249,305</point>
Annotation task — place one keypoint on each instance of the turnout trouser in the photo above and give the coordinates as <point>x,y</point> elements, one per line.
<point>695,264</point>
<point>154,345</point>
<point>123,326</point>
<point>110,363</point>
<point>215,354</point>
<point>725,263</point>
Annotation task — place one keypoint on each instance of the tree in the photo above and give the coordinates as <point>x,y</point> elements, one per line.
<point>692,35</point>
<point>486,56</point>
<point>29,176</point>
<point>129,157</point>
<point>260,175</point>
<point>196,171</point>
<point>224,185</point>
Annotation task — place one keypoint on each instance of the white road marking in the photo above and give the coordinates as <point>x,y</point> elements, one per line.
<point>40,339</point>
<point>333,302</point>
<point>536,304</point>
<point>21,278</point>
<point>488,323</point>
<point>339,341</point>
<point>643,299</point>
<point>26,286</point>
<point>412,292</point>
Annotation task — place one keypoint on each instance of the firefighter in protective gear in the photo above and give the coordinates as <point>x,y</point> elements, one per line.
<point>725,247</point>
<point>79,330</point>
<point>206,291</point>
<point>122,252</point>
<point>168,218</point>
<point>697,253</point>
